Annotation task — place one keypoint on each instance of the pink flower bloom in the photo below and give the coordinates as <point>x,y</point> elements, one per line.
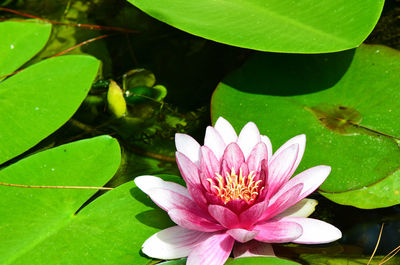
<point>237,191</point>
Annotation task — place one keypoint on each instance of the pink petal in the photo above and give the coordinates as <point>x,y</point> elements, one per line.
<point>213,251</point>
<point>188,169</point>
<point>209,162</point>
<point>146,183</point>
<point>314,231</point>
<point>214,141</point>
<point>301,141</point>
<point>224,216</point>
<point>311,179</point>
<point>248,217</point>
<point>213,199</point>
<point>168,199</point>
<point>188,146</point>
<point>158,189</point>
<point>232,159</point>
<point>280,203</point>
<point>267,142</point>
<point>172,243</point>
<point>280,167</point>
<point>256,157</point>
<point>209,166</point>
<point>245,169</point>
<point>197,194</point>
<point>278,232</point>
<point>248,138</point>
<point>242,235</point>
<point>264,184</point>
<point>192,221</point>
<point>226,130</point>
<point>253,249</point>
<point>237,206</point>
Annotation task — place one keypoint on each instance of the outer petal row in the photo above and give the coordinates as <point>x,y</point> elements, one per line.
<point>172,243</point>
<point>314,231</point>
<point>214,141</point>
<point>226,131</point>
<point>280,168</point>
<point>311,179</point>
<point>180,207</point>
<point>300,140</point>
<point>248,138</point>
<point>188,146</point>
<point>281,231</point>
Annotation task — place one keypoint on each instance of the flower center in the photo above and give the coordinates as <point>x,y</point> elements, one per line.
<point>235,186</point>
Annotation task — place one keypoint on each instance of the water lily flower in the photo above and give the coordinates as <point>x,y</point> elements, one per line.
<point>239,196</point>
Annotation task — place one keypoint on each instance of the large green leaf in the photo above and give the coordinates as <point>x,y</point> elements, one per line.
<point>346,103</point>
<point>37,101</point>
<point>280,26</point>
<point>30,217</point>
<point>19,42</point>
<point>42,226</point>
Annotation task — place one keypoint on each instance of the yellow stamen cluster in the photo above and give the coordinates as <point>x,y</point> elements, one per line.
<point>235,186</point>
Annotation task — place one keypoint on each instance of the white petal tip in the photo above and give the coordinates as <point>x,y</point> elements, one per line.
<point>299,139</point>
<point>221,119</point>
<point>324,170</point>
<point>142,181</point>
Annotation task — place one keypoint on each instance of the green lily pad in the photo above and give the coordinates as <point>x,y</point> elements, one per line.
<point>243,261</point>
<point>19,42</point>
<point>279,26</point>
<point>38,100</point>
<point>346,103</point>
<point>46,226</point>
<point>261,261</point>
<point>319,259</point>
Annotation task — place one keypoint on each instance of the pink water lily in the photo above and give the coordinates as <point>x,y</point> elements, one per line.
<point>237,191</point>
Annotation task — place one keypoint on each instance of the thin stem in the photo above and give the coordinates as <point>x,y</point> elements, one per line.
<point>82,43</point>
<point>65,51</point>
<point>377,244</point>
<point>390,255</point>
<point>88,26</point>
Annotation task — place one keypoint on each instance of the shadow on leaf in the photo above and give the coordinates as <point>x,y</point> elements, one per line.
<point>290,74</point>
<point>139,195</point>
<point>156,218</point>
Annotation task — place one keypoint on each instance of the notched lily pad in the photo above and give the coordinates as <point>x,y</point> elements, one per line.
<point>346,103</point>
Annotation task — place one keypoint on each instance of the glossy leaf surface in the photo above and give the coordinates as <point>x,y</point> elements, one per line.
<point>278,26</point>
<point>42,226</point>
<point>37,101</point>
<point>346,103</point>
<point>19,42</point>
